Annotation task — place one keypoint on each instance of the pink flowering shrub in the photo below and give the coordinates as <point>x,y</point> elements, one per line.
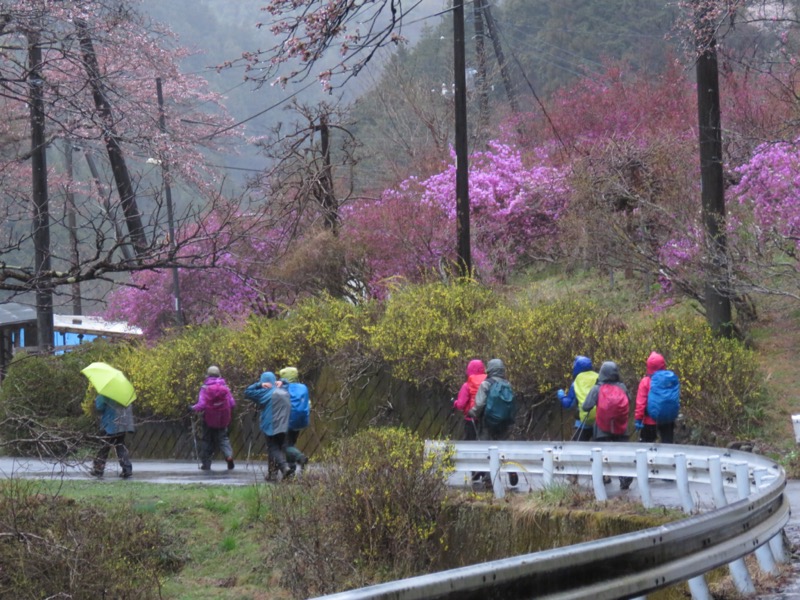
<point>411,230</point>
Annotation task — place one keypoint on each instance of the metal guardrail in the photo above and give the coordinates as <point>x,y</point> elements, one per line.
<point>750,510</point>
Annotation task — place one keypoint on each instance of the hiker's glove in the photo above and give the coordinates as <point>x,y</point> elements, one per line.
<point>561,395</point>
<point>639,425</point>
<point>190,408</point>
<point>472,413</point>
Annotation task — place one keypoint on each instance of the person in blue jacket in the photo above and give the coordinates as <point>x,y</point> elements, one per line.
<point>299,418</point>
<point>583,378</point>
<point>275,406</point>
<point>115,421</point>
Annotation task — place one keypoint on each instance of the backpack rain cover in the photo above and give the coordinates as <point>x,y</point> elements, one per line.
<point>499,404</point>
<point>612,409</point>
<point>664,398</point>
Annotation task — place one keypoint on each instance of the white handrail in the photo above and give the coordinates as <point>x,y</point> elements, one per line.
<point>624,566</point>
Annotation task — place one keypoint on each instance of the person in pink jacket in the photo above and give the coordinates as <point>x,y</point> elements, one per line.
<point>476,373</point>
<point>216,403</point>
<point>648,428</point>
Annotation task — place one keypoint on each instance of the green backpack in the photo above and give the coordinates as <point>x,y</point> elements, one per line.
<point>500,408</point>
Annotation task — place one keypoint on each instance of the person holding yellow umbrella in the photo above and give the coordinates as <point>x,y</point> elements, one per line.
<point>114,397</point>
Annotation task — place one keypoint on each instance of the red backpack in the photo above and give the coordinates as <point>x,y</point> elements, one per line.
<point>612,409</point>
<point>217,413</point>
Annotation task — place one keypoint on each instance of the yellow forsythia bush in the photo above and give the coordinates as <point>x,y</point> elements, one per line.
<point>430,332</point>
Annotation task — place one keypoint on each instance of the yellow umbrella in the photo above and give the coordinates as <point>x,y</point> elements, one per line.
<point>110,382</point>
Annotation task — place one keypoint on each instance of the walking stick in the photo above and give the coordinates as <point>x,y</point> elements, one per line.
<point>194,440</point>
<point>579,430</point>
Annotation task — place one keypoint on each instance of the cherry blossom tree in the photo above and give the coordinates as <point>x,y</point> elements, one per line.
<point>100,60</point>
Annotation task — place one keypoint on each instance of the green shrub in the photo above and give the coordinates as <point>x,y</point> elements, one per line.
<point>721,385</point>
<point>40,400</point>
<point>167,377</point>
<point>54,547</point>
<point>377,506</point>
<point>430,332</point>
<point>315,332</point>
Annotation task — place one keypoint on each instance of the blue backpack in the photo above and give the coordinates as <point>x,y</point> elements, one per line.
<point>499,404</point>
<point>300,414</point>
<point>664,398</point>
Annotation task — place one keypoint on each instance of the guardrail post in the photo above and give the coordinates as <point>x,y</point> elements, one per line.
<point>763,552</point>
<point>494,472</point>
<point>642,479</point>
<point>715,479</point>
<point>547,467</point>
<point>682,479</point>
<point>699,588</point>
<point>739,574</point>
<point>597,475</point>
<point>776,543</point>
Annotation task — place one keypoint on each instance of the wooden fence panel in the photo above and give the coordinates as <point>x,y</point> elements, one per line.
<point>376,400</point>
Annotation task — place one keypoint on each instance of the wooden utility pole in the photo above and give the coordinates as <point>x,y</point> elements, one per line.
<point>176,283</point>
<point>119,168</point>
<point>717,294</point>
<point>324,182</point>
<point>72,225</point>
<point>480,55</point>
<point>41,209</point>
<point>462,160</point>
<point>498,51</point>
<point>101,192</point>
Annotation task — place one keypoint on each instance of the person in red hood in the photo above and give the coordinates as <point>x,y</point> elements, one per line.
<point>648,428</point>
<point>476,373</point>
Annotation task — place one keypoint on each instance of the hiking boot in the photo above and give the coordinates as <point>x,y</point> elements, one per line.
<point>229,460</point>
<point>95,472</point>
<point>625,482</point>
<point>205,467</point>
<point>289,473</point>
<point>513,479</point>
<point>126,474</point>
<point>606,479</point>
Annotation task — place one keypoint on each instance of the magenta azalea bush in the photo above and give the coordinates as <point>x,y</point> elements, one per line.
<point>770,185</point>
<point>410,231</point>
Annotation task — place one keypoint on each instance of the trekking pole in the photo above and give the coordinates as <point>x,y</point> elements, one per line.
<point>577,435</point>
<point>194,440</point>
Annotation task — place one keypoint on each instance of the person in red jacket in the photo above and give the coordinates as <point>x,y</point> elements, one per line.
<point>476,373</point>
<point>648,428</point>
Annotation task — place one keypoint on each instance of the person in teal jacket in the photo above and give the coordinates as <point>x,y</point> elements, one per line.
<point>115,421</point>
<point>275,405</point>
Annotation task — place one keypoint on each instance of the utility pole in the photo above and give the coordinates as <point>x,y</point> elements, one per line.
<point>41,209</point>
<point>498,51</point>
<point>176,284</point>
<point>462,160</point>
<point>72,225</point>
<point>480,53</point>
<point>116,158</point>
<point>717,294</point>
<point>120,238</point>
<point>325,179</point>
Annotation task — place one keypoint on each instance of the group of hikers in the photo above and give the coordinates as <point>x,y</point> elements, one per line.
<point>486,399</point>
<point>285,410</point>
<point>601,399</point>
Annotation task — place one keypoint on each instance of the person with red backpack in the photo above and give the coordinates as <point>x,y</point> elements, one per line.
<point>610,396</point>
<point>657,402</point>
<point>465,400</point>
<point>216,403</point>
